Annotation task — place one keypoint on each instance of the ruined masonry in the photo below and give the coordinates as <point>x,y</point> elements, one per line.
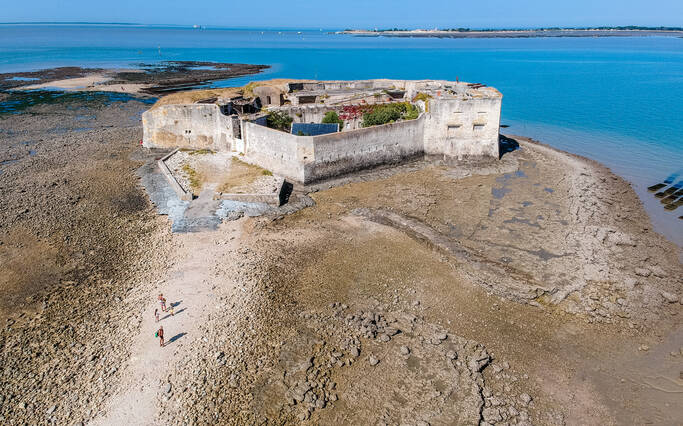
<point>457,121</point>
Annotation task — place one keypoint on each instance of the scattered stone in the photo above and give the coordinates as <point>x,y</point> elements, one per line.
<point>657,271</point>
<point>642,272</point>
<point>643,348</point>
<point>669,297</point>
<point>491,415</point>
<point>405,350</point>
<point>373,361</point>
<point>167,388</point>
<point>384,337</point>
<point>525,399</point>
<point>391,331</point>
<point>451,355</point>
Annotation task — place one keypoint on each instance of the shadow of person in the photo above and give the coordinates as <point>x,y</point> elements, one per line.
<point>174,338</point>
<point>174,313</point>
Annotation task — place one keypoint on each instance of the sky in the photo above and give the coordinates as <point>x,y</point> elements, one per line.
<point>352,13</point>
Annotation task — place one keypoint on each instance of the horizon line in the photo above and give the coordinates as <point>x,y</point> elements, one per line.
<point>213,26</point>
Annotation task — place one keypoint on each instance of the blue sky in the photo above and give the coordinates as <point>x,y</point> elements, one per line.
<point>352,13</point>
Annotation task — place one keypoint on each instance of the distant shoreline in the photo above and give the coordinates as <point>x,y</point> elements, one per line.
<point>534,33</point>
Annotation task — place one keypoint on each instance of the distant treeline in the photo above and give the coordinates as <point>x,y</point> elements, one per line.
<point>464,30</point>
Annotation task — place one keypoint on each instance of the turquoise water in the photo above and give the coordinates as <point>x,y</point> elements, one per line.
<point>616,100</point>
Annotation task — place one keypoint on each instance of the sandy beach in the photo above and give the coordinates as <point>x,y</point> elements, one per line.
<point>529,291</point>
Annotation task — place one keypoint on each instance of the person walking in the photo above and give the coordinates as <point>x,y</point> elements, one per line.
<point>156,314</point>
<point>160,335</point>
<point>163,304</point>
<point>170,308</point>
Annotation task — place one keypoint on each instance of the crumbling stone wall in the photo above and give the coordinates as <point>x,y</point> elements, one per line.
<point>463,128</point>
<point>338,153</point>
<point>192,126</point>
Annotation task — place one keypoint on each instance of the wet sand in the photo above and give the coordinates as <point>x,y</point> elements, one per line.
<point>531,290</point>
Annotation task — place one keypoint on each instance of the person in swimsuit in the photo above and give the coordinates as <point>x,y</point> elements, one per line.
<point>160,333</point>
<point>163,304</point>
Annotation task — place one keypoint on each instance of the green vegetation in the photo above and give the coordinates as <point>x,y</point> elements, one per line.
<point>332,117</point>
<point>389,113</point>
<point>267,172</point>
<point>279,121</point>
<point>201,152</point>
<point>193,177</point>
<point>15,102</point>
<point>423,97</point>
<point>248,90</point>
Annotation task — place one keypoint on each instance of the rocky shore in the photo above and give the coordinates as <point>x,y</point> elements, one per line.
<point>531,290</point>
<point>149,79</point>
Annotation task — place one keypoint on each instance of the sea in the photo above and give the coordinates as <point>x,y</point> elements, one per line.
<point>617,100</point>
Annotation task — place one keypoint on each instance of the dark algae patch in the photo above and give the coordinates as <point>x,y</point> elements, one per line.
<point>160,78</point>
<point>16,102</point>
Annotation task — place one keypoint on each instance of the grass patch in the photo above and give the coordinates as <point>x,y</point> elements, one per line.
<point>193,177</point>
<point>424,97</point>
<point>201,152</point>
<point>241,175</point>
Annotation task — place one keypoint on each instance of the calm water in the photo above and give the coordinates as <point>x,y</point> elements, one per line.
<point>616,100</point>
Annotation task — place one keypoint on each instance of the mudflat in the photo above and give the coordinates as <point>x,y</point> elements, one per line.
<point>529,290</point>
<point>149,79</point>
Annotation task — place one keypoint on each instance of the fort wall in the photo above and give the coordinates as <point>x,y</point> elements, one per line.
<point>463,128</point>
<point>458,120</point>
<point>338,153</point>
<point>280,152</point>
<point>192,126</point>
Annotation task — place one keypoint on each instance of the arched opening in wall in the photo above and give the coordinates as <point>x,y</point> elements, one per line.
<point>268,100</point>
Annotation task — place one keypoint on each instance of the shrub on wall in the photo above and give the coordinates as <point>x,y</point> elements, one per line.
<point>424,97</point>
<point>389,113</point>
<point>279,120</point>
<point>332,117</point>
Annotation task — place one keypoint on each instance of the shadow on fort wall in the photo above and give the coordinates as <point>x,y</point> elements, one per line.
<point>505,145</point>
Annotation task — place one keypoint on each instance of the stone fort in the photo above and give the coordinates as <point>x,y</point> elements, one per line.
<point>455,120</point>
